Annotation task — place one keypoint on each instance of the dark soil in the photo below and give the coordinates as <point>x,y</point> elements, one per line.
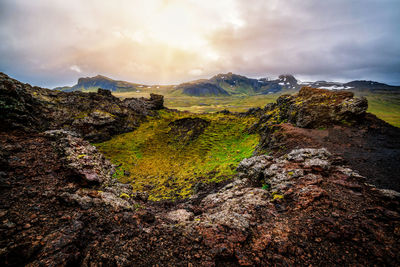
<point>371,147</point>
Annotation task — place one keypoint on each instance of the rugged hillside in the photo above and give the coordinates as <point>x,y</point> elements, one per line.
<point>100,81</point>
<point>300,199</point>
<point>203,88</point>
<point>96,116</point>
<point>337,121</point>
<point>233,84</point>
<point>371,86</point>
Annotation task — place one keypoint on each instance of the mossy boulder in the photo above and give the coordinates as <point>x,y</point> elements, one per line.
<point>314,108</point>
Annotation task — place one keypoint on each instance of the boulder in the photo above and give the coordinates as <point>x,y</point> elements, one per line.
<point>266,170</point>
<point>314,108</point>
<point>156,102</point>
<point>180,215</point>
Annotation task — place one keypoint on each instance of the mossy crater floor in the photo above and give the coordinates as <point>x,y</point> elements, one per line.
<point>169,154</point>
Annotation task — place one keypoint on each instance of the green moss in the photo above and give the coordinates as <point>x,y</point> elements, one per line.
<point>276,196</point>
<point>167,168</point>
<point>118,173</point>
<point>104,113</point>
<point>81,115</point>
<point>84,114</point>
<point>265,186</point>
<point>124,195</point>
<point>345,122</point>
<point>137,206</point>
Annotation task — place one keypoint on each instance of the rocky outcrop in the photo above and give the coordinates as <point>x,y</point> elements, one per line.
<point>313,108</point>
<point>305,206</point>
<point>92,171</point>
<point>156,102</point>
<point>368,146</point>
<point>94,116</point>
<point>262,181</point>
<point>338,121</point>
<point>83,160</point>
<point>274,174</point>
<point>180,215</point>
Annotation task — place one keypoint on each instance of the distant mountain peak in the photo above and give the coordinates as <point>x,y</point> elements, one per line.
<point>101,77</point>
<point>289,78</point>
<point>97,77</point>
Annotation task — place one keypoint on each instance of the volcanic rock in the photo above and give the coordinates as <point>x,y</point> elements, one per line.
<point>95,116</point>
<point>313,108</point>
<point>180,215</point>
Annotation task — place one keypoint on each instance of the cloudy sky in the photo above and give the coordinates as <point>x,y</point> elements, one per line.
<point>53,42</point>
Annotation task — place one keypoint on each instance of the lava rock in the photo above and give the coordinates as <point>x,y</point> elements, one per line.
<point>94,116</point>
<point>180,215</point>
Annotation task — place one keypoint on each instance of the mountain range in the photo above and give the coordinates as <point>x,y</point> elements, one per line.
<point>228,84</point>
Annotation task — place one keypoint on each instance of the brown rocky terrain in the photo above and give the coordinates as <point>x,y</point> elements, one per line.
<point>337,121</point>
<point>305,203</point>
<point>95,116</point>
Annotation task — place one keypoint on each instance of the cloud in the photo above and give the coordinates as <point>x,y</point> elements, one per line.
<point>53,42</point>
<point>196,72</point>
<point>317,39</point>
<point>75,68</point>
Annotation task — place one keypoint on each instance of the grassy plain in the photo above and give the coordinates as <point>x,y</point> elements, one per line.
<point>197,104</point>
<point>385,107</point>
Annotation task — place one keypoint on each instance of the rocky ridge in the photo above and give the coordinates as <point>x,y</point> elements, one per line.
<point>95,116</point>
<point>313,108</point>
<point>338,121</point>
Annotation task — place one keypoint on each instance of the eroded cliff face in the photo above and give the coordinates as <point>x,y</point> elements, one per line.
<point>94,116</point>
<point>300,205</point>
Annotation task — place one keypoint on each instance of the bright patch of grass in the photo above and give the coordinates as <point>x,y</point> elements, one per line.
<point>198,104</point>
<point>385,107</point>
<point>167,165</point>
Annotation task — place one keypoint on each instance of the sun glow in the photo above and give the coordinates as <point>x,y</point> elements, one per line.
<point>157,41</point>
<point>172,25</point>
<point>174,28</point>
